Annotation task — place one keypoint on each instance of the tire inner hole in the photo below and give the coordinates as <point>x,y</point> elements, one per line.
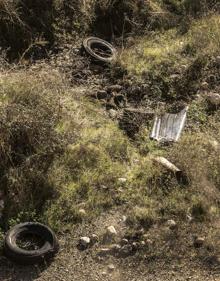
<point>101,50</point>
<point>29,241</point>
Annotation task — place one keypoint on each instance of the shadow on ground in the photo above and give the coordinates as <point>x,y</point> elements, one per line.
<point>13,272</point>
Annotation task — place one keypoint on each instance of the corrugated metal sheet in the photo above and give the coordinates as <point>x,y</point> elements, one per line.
<point>168,127</point>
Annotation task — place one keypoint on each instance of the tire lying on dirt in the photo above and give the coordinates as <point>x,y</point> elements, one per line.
<point>100,50</point>
<point>48,248</point>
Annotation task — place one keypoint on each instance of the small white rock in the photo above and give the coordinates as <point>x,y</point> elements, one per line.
<point>124,218</point>
<point>199,241</point>
<point>143,243</point>
<point>122,180</point>
<point>84,241</point>
<point>189,217</point>
<point>82,212</point>
<point>111,231</point>
<point>94,238</point>
<point>111,267</point>
<point>171,224</point>
<point>113,113</point>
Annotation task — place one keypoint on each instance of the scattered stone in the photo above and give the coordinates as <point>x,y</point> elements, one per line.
<point>104,187</point>
<point>84,242</point>
<point>143,243</point>
<point>101,94</point>
<point>113,113</point>
<point>111,231</point>
<point>124,219</point>
<point>190,218</point>
<point>114,88</point>
<point>82,212</point>
<point>218,60</point>
<point>199,242</point>
<point>104,273</point>
<point>135,246</point>
<point>122,180</point>
<point>213,98</point>
<point>172,224</point>
<point>111,267</point>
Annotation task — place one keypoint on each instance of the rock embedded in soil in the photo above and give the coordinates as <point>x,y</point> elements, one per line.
<point>111,231</point>
<point>213,98</point>
<point>82,212</point>
<point>104,273</point>
<point>122,180</point>
<point>113,113</point>
<point>171,224</point>
<point>199,242</point>
<point>84,242</point>
<point>124,219</point>
<point>111,267</point>
<point>94,238</point>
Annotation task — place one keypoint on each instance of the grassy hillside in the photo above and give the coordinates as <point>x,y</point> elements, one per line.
<point>61,153</point>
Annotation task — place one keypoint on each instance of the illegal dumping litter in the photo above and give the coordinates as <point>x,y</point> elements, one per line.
<point>168,127</point>
<point>180,175</point>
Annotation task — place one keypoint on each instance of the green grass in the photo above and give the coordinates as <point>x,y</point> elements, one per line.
<point>172,49</point>
<point>79,158</point>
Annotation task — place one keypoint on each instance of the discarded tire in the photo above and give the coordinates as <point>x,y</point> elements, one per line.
<point>19,255</point>
<point>100,50</point>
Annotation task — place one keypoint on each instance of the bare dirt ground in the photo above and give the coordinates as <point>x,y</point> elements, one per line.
<point>72,264</point>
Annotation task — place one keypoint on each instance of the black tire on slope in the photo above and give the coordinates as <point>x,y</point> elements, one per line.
<point>26,257</point>
<point>100,50</point>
